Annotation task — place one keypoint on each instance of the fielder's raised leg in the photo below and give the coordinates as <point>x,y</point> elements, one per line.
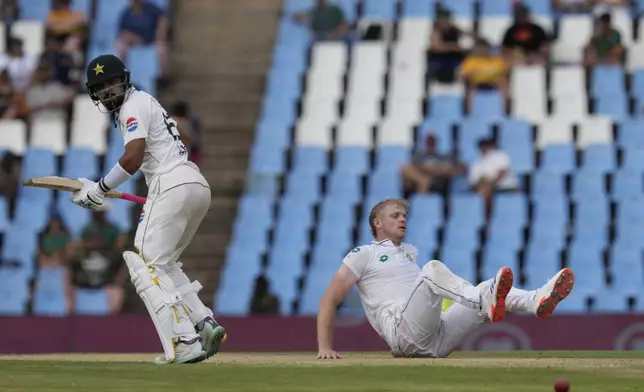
<point>177,201</point>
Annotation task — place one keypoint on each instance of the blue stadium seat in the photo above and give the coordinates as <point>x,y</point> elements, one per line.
<point>496,8</point>
<point>576,302</point>
<point>558,158</point>
<point>287,238</point>
<point>272,134</point>
<point>613,106</point>
<point>267,161</point>
<point>237,283</point>
<point>446,108</point>
<point>549,231</point>
<point>34,9</point>
<point>80,163</point>
<point>627,269</point>
<point>633,159</point>
<point>49,297</point>
<point>289,58</point>
<point>595,213</point>
<point>606,80</point>
<point>344,185</point>
<point>462,9</point>
<point>427,208</point>
<point>500,235</point>
<point>293,6</point>
<point>295,212</point>
<point>550,209</point>
<point>14,289</point>
<point>510,209</point>
<point>20,244</point>
<point>599,158</point>
<point>487,106</point>
<point>31,215</point>
<point>609,301</point>
<point>91,302</point>
<point>630,133</point>
<point>390,158</point>
<point>384,184</point>
<point>279,111</point>
<point>637,84</point>
<point>548,184</point>
<point>540,264</point>
<point>283,84</point>
<point>144,66</point>
<point>588,266</point>
<point>303,185</point>
<point>460,261</point>
<point>75,219</point>
<point>84,6</point>
<point>351,160</point>
<point>422,236</point>
<point>459,235</point>
<point>442,129</point>
<point>312,160</point>
<point>4,215</point>
<point>105,27</point>
<point>494,258</point>
<point>588,185</point>
<point>334,235</point>
<point>515,138</point>
<point>470,132</point>
<point>587,234</point>
<point>39,162</point>
<point>631,211</point>
<point>539,7</point>
<point>627,184</point>
<point>337,209</point>
<point>419,8</point>
<point>379,10</point>
<point>466,210</point>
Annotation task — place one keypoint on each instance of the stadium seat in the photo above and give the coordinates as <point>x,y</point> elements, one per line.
<point>31,32</point>
<point>540,264</point>
<point>91,302</point>
<point>629,133</point>
<point>80,163</point>
<point>558,158</point>
<point>346,186</point>
<point>607,81</point>
<point>49,134</point>
<point>460,261</point>
<point>574,31</point>
<point>599,158</point>
<point>312,160</point>
<point>49,297</point>
<point>14,136</point>
<point>493,27</point>
<point>379,10</point>
<point>627,185</point>
<point>588,267</point>
<point>554,131</point>
<point>495,258</point>
<point>413,10</point>
<point>588,185</point>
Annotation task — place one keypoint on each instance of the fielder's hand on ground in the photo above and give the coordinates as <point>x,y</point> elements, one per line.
<point>328,354</point>
<point>90,196</point>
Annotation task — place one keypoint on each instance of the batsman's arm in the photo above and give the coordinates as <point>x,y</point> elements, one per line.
<point>333,296</point>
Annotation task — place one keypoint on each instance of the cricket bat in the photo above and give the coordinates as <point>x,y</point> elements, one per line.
<point>70,185</point>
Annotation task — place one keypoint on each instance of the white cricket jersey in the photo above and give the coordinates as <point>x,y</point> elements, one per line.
<point>386,275</point>
<point>143,117</point>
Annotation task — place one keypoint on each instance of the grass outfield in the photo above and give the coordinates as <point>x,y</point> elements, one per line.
<point>467,371</point>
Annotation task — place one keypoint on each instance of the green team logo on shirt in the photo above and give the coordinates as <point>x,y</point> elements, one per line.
<point>355,250</point>
<point>384,258</point>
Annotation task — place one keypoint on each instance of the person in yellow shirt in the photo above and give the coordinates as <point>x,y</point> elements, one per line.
<point>483,70</point>
<point>66,25</point>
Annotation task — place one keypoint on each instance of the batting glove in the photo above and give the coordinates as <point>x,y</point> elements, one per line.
<point>90,196</point>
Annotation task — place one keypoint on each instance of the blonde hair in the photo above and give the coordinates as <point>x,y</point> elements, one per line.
<point>377,209</point>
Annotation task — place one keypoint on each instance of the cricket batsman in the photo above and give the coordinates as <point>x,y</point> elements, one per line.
<point>403,302</point>
<point>177,201</point>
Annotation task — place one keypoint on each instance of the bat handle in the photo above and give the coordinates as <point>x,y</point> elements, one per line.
<point>133,198</point>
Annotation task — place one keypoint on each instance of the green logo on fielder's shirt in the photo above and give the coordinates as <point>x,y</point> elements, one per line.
<point>384,258</point>
<point>355,250</point>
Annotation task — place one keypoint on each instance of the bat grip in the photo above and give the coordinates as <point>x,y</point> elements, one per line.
<point>133,198</point>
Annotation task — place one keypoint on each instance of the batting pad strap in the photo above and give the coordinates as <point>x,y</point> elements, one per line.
<point>115,178</point>
<point>192,287</point>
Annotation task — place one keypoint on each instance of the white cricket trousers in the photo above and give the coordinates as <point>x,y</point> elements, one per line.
<point>423,330</point>
<point>177,203</point>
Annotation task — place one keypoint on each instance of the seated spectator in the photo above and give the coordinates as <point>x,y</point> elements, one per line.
<point>8,11</point>
<point>68,27</point>
<point>54,244</point>
<point>482,70</point>
<point>326,21</point>
<point>445,53</point>
<point>263,300</point>
<point>605,47</point>
<point>62,64</point>
<point>491,173</point>
<point>10,168</point>
<point>429,170</point>
<point>525,42</point>
<point>143,23</point>
<point>8,99</point>
<point>188,129</point>
<point>96,262</point>
<point>19,65</point>
<point>47,99</point>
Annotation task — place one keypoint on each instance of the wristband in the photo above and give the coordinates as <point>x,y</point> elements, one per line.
<point>115,178</point>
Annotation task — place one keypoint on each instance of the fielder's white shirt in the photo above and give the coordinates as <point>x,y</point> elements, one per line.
<point>143,117</point>
<point>488,167</point>
<point>386,275</point>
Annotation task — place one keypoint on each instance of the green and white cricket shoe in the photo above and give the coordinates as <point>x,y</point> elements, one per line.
<point>212,335</point>
<point>185,352</point>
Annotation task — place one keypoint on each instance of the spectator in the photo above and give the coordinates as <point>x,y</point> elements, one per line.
<point>597,7</point>
<point>61,63</point>
<point>8,104</point>
<point>605,47</point>
<point>429,170</point>
<point>189,130</point>
<point>47,99</point>
<point>491,173</point>
<point>19,65</point>
<point>8,11</point>
<point>97,263</point>
<point>482,70</point>
<point>143,23</point>
<point>54,244</point>
<point>445,53</point>
<point>68,27</point>
<point>10,168</point>
<point>326,21</point>
<point>264,301</point>
<point>525,42</point>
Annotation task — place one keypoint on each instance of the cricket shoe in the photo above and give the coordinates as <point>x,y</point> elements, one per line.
<point>186,351</point>
<point>554,291</point>
<point>212,334</point>
<point>494,293</point>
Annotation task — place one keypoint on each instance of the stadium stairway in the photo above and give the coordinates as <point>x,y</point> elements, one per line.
<point>219,65</point>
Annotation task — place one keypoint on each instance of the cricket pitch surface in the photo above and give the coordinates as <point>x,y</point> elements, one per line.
<point>301,372</point>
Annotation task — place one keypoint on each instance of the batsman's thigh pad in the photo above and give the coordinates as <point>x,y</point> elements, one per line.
<point>163,302</point>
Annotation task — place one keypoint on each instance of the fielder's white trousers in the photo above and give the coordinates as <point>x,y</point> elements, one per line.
<point>423,330</point>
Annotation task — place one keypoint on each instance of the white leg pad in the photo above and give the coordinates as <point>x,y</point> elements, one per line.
<point>197,311</point>
<point>163,302</point>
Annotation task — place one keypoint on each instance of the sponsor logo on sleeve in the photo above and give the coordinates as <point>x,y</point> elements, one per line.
<point>131,124</point>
